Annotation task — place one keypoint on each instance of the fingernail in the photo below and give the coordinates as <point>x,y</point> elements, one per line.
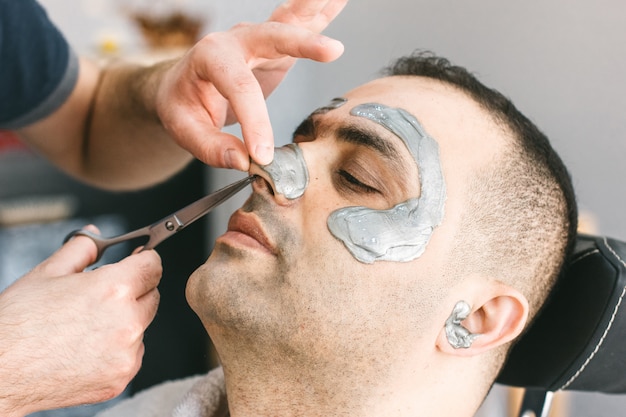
<point>229,157</point>
<point>325,40</point>
<point>233,159</point>
<point>264,154</point>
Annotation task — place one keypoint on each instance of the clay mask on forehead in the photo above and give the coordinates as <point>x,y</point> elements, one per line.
<point>288,171</point>
<point>334,104</point>
<point>401,233</point>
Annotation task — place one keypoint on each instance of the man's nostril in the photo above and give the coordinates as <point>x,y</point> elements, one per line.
<point>263,183</point>
<point>287,176</point>
<point>268,185</point>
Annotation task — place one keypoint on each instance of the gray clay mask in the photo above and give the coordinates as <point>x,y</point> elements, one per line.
<point>288,171</point>
<point>458,336</point>
<point>401,233</point>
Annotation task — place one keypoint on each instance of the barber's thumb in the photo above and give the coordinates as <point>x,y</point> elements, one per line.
<point>74,256</point>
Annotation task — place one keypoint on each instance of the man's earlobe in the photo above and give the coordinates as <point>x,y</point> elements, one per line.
<point>498,320</point>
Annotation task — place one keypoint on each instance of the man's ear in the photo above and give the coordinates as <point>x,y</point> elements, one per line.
<point>498,316</point>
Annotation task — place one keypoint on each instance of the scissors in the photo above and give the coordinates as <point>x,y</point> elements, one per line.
<point>159,231</point>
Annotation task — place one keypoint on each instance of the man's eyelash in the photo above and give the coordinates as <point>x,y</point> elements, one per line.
<point>354,182</point>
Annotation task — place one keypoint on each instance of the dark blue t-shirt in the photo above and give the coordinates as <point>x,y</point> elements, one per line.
<point>38,69</point>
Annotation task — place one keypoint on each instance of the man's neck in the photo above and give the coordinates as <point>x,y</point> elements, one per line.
<point>264,382</point>
<point>274,394</point>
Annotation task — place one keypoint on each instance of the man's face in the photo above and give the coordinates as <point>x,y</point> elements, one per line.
<point>279,278</point>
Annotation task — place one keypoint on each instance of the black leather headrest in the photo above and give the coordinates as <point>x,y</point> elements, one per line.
<point>578,340</point>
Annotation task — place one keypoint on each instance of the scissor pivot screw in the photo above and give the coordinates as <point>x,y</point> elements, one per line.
<point>169,226</point>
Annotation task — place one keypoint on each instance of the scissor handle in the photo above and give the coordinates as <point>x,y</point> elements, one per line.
<point>166,227</point>
<point>102,243</point>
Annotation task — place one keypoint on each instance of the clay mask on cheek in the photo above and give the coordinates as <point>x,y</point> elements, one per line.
<point>401,233</point>
<point>288,171</point>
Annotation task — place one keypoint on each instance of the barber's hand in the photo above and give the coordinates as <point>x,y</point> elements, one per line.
<point>226,77</point>
<point>69,337</point>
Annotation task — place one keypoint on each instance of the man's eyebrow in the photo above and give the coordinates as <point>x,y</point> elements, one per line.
<point>368,138</point>
<point>350,133</point>
<point>307,128</point>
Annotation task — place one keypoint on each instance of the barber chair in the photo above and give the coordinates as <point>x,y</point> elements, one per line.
<point>578,340</point>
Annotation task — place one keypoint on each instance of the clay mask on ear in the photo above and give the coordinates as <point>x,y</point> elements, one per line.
<point>457,335</point>
<point>288,171</point>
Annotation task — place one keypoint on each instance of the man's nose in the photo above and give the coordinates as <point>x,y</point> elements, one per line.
<point>264,184</point>
<point>286,178</point>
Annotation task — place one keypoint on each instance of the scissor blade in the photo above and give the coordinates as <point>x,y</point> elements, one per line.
<point>182,218</point>
<point>199,208</point>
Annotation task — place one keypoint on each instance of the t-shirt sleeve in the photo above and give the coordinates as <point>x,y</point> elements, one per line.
<point>38,68</point>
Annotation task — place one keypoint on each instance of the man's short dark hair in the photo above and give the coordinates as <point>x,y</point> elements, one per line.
<point>521,217</point>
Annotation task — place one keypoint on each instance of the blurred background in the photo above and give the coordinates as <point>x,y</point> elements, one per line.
<point>562,62</point>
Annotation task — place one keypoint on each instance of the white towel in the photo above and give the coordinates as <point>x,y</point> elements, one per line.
<point>198,396</point>
<point>206,398</point>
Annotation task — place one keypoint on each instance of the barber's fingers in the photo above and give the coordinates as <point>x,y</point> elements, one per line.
<point>223,80</point>
<point>141,349</point>
<point>135,275</point>
<point>212,146</point>
<point>136,318</point>
<point>262,48</point>
<point>129,352</point>
<point>235,81</point>
<point>315,15</point>
<point>274,40</point>
<point>148,305</point>
<point>194,114</point>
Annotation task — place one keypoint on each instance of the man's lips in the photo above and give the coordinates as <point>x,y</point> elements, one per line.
<point>248,224</point>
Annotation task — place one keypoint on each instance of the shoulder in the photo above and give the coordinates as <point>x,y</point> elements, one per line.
<point>19,14</point>
<point>44,68</point>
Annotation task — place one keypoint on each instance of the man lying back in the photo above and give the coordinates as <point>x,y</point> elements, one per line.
<point>385,261</point>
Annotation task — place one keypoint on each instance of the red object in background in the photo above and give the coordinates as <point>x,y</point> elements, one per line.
<point>10,142</point>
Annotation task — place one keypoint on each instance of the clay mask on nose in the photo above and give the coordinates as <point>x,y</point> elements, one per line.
<point>288,171</point>
<point>401,233</point>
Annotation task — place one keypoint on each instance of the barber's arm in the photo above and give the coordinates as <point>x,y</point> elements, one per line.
<point>117,127</point>
<point>69,337</point>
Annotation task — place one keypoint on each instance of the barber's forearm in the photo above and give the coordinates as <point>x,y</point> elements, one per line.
<point>7,406</point>
<point>126,146</point>
<point>11,406</point>
<point>107,132</point>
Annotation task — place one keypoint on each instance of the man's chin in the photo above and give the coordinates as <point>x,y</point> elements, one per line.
<point>233,266</point>
<point>222,293</point>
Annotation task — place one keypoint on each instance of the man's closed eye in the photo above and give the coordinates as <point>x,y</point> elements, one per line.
<point>350,182</point>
